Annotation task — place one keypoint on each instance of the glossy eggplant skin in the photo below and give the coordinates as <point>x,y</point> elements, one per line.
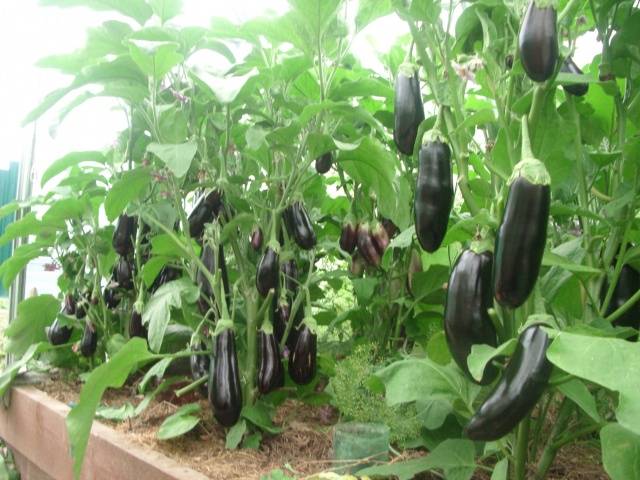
<point>200,365</point>
<point>270,370</point>
<point>302,360</point>
<point>348,237</point>
<point>89,341</point>
<point>366,246</point>
<point>281,312</point>
<point>124,234</point>
<point>324,162</point>
<point>256,239</point>
<point>225,390</point>
<point>206,209</point>
<point>517,392</point>
<point>299,226</point>
<point>466,316</point>
<point>222,265</point>
<point>575,89</point>
<point>208,258</point>
<point>290,272</point>
<point>538,42</point>
<point>434,194</point>
<point>136,328</point>
<point>408,111</point>
<point>124,273</point>
<point>520,242</point>
<point>267,274</point>
<point>628,284</point>
<point>58,334</point>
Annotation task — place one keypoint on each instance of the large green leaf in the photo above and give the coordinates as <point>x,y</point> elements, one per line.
<point>20,258</point>
<point>155,58</point>
<point>181,422</point>
<point>111,374</point>
<point>620,452</point>
<point>177,157</point>
<point>610,362</point>
<point>126,189</point>
<point>34,314</point>
<point>68,161</point>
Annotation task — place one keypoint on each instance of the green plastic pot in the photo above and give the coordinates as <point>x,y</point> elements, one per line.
<point>359,445</point>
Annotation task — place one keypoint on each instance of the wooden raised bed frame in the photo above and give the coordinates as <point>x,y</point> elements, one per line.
<point>34,428</point>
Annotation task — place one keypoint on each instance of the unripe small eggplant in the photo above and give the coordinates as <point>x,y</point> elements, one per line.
<point>58,334</point>
<point>89,340</point>
<point>136,328</point>
<point>348,237</point>
<point>408,110</point>
<point>302,361</point>
<point>124,235</point>
<point>299,226</point>
<point>576,89</point>
<point>256,238</point>
<point>324,162</point>
<point>538,42</point>
<point>270,370</point>
<point>225,390</point>
<point>206,209</point>
<point>125,273</point>
<point>366,247</point>
<point>200,365</point>
<point>434,194</point>
<point>267,274</point>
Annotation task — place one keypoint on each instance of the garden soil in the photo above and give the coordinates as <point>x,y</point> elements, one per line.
<point>301,450</point>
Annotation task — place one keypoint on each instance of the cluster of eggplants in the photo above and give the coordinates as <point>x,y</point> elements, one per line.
<point>225,390</point>
<point>538,42</point>
<point>298,225</point>
<point>58,334</point>
<point>323,163</point>
<point>408,110</point>
<point>270,370</point>
<point>207,208</point>
<point>434,194</point>
<point>200,365</point>
<point>466,315</point>
<point>371,242</point>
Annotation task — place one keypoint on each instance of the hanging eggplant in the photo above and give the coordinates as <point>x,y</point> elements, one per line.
<point>124,235</point>
<point>408,110</point>
<point>125,273</point>
<point>290,271</point>
<point>576,89</point>
<point>349,236</point>
<point>299,225</point>
<point>267,273</point>
<point>89,340</point>
<point>200,365</point>
<point>207,208</point>
<point>225,390</point>
<point>270,370</point>
<point>538,41</point>
<point>302,360</point>
<point>58,334</point>
<point>366,246</point>
<point>136,327</point>
<point>324,162</point>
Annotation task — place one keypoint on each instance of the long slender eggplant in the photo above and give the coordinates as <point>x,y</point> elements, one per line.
<point>270,371</point>
<point>89,340</point>
<point>538,41</point>
<point>207,208</point>
<point>302,361</point>
<point>267,274</point>
<point>434,194</point>
<point>200,365</point>
<point>290,272</point>
<point>281,312</point>
<point>517,392</point>
<point>466,316</point>
<point>225,390</point>
<point>124,234</point>
<point>366,246</point>
<point>408,110</point>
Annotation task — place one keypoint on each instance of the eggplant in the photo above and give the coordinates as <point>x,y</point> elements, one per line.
<point>200,366</point>
<point>380,238</point>
<point>125,273</point>
<point>538,42</point>
<point>58,334</point>
<point>349,237</point>
<point>366,247</point>
<point>89,340</point>
<point>628,284</point>
<point>302,360</point>
<point>519,389</point>
<point>434,194</point>
<point>111,298</point>
<point>207,208</point>
<point>324,162</point>
<point>225,390</point>
<point>290,271</point>
<point>256,239</point>
<point>466,315</point>
<point>136,328</point>
<point>408,110</point>
<point>267,274</point>
<point>575,89</point>
<point>299,226</point>
<point>124,235</point>
<point>270,371</point>
<point>167,274</point>
<point>281,313</point>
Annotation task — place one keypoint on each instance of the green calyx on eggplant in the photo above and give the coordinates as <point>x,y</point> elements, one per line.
<point>89,340</point>
<point>200,365</point>
<point>434,193</point>
<point>522,384</point>
<point>575,89</point>
<point>225,390</point>
<point>302,358</point>
<point>628,284</point>
<point>466,316</point>
<point>538,41</point>
<point>124,235</point>
<point>366,247</point>
<point>270,369</point>
<point>299,225</point>
<point>268,271</point>
<point>349,236</point>
<point>408,109</point>
<point>323,163</point>
<point>207,208</point>
<point>125,273</point>
<point>136,327</point>
<point>256,238</point>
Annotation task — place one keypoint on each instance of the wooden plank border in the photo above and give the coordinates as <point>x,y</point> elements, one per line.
<point>34,427</point>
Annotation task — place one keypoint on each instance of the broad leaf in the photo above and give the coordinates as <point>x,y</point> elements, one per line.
<point>620,452</point>
<point>126,189</point>
<point>180,422</point>
<point>34,314</point>
<point>177,157</point>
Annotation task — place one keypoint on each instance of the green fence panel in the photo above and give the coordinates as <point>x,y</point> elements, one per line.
<point>8,189</point>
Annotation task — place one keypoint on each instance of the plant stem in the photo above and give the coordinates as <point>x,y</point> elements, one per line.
<point>191,386</point>
<point>526,140</point>
<point>537,103</point>
<point>550,449</point>
<point>522,444</point>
